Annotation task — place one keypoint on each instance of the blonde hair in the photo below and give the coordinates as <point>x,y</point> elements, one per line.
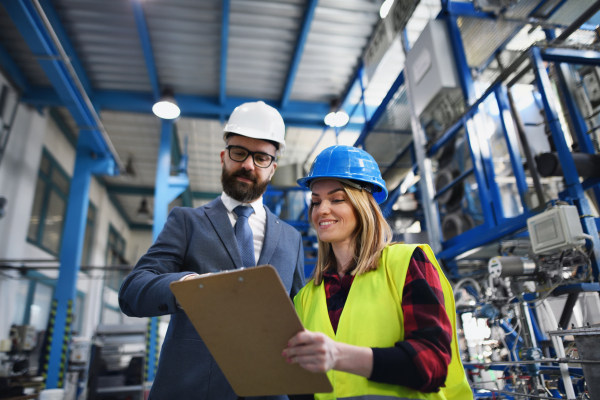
<point>372,235</point>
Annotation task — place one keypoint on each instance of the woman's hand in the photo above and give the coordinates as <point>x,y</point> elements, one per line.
<point>314,351</point>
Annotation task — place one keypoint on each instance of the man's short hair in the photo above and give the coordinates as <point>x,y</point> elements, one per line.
<point>230,135</point>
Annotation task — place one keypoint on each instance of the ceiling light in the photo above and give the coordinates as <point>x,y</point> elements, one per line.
<point>166,107</point>
<point>385,8</point>
<point>337,119</point>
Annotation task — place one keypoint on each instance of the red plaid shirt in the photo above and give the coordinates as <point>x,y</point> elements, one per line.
<point>420,361</point>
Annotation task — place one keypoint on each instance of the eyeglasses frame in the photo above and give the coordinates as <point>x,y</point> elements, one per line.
<point>250,153</point>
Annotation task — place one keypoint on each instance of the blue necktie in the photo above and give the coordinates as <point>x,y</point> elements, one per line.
<point>243,235</point>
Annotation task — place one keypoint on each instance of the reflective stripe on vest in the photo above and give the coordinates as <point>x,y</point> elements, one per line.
<point>372,317</point>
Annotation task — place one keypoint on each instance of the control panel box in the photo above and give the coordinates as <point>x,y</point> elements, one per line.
<point>430,62</point>
<point>554,230</point>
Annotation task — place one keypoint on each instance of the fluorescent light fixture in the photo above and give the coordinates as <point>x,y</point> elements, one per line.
<point>166,107</point>
<point>385,8</point>
<point>336,119</point>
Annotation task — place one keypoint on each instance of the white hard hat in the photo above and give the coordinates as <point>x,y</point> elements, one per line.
<point>257,120</point>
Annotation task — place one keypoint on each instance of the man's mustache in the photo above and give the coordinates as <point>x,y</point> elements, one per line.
<point>244,173</point>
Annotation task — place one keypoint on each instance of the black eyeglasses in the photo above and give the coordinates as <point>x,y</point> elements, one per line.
<point>239,154</point>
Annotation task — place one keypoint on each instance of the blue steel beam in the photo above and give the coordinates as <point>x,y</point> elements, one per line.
<point>224,51</point>
<point>510,135</point>
<point>63,306</point>
<point>303,35</point>
<point>574,187</point>
<point>63,37</point>
<point>167,189</point>
<point>480,146</point>
<point>191,106</point>
<point>142,27</point>
<point>571,56</point>
<point>11,68</point>
<point>39,40</point>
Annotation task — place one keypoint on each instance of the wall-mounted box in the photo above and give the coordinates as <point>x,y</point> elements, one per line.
<point>431,66</point>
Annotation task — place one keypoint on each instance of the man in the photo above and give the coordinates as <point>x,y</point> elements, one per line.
<point>233,231</point>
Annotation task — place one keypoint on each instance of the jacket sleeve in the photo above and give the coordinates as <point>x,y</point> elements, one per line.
<point>298,282</point>
<point>145,292</point>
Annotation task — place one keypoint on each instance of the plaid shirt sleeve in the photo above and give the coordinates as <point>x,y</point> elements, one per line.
<point>421,360</point>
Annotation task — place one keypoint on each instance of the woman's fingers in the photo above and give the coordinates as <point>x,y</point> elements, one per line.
<point>303,337</point>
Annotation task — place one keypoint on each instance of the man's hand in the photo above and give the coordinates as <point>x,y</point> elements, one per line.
<point>314,351</point>
<point>190,276</point>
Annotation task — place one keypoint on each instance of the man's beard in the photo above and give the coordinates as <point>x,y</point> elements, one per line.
<point>242,191</point>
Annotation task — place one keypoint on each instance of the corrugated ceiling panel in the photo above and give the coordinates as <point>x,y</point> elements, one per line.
<point>570,11</point>
<point>481,37</point>
<point>13,42</point>
<point>338,35</point>
<point>262,39</point>
<point>136,137</point>
<point>205,142</point>
<point>106,39</point>
<point>186,39</point>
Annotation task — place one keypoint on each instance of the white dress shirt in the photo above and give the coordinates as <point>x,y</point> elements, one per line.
<point>257,221</point>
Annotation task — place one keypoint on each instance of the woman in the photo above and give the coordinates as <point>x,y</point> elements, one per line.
<point>396,335</point>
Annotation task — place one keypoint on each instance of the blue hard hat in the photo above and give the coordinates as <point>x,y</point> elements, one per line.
<point>350,163</point>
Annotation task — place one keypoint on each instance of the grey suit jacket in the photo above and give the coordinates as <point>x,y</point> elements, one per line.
<point>199,240</point>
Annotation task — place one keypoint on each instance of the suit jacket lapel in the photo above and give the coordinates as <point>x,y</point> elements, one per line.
<point>272,234</point>
<point>217,214</point>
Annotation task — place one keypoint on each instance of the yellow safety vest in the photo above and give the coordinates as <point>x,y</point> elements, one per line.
<point>372,317</point>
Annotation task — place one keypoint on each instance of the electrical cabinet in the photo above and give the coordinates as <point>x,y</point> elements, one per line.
<point>430,63</point>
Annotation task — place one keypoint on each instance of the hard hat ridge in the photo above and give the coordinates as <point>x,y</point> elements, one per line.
<point>257,120</point>
<point>350,165</point>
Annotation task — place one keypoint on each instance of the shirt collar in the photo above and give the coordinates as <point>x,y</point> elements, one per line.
<point>231,203</point>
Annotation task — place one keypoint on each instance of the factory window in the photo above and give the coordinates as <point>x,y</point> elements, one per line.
<point>49,208</point>
<point>49,205</point>
<point>34,299</point>
<point>115,255</point>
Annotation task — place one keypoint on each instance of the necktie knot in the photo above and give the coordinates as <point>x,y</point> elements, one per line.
<point>243,211</point>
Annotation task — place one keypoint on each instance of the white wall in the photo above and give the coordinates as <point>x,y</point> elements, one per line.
<point>18,176</point>
<point>31,132</point>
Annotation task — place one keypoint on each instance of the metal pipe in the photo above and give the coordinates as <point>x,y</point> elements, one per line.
<point>518,76</point>
<point>532,396</point>
<point>65,59</point>
<point>587,165</point>
<point>537,184</point>
<point>57,267</point>
<point>562,360</point>
<point>583,18</point>
<point>565,317</point>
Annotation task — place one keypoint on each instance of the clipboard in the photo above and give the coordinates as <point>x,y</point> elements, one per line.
<point>246,318</point>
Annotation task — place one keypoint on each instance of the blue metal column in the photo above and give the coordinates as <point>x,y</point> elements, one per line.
<point>167,188</point>
<point>508,128</point>
<point>61,315</point>
<point>574,187</point>
<point>309,14</point>
<point>565,77</point>
<point>474,125</point>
